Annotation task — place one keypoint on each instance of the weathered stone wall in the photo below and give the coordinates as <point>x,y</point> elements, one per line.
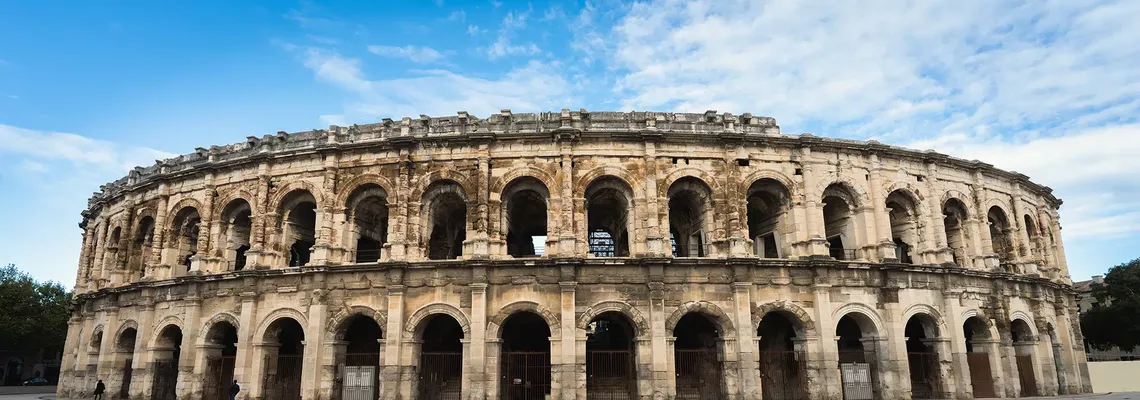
<point>183,272</point>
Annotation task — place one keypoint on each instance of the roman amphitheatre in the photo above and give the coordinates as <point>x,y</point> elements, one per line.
<point>572,255</point>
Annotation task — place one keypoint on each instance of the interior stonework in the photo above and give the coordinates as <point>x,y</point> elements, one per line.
<point>703,254</point>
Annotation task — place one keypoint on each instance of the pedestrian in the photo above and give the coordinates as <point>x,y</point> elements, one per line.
<point>234,389</point>
<point>99,388</point>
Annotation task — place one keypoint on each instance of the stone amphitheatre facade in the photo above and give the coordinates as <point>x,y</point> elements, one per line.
<point>572,255</point>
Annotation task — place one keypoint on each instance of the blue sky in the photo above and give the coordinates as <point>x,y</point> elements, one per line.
<point>1048,88</point>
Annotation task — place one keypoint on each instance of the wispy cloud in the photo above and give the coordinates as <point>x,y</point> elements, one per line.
<point>33,147</point>
<point>459,16</point>
<point>412,53</point>
<point>504,43</point>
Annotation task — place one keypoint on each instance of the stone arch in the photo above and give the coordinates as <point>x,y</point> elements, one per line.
<point>1024,317</point>
<point>204,331</point>
<point>929,311</point>
<point>962,198</point>
<point>597,173</point>
<point>142,213</point>
<point>988,333</point>
<point>277,314</point>
<point>857,195</point>
<point>801,319</point>
<point>789,184</point>
<point>862,309</point>
<point>119,342</point>
<point>338,323</point>
<point>296,185</point>
<point>223,201</point>
<point>347,188</point>
<point>426,181</point>
<point>911,193</point>
<point>1004,206</point>
<point>169,320</point>
<point>128,324</point>
<point>640,324</point>
<point>714,312</point>
<point>513,174</point>
<point>414,325</point>
<point>181,205</point>
<point>495,323</point>
<point>714,186</point>
<point>96,333</point>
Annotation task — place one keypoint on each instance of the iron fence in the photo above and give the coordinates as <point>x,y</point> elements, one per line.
<point>441,375</point>
<point>783,375</point>
<point>526,375</point>
<point>165,380</point>
<point>842,254</point>
<point>219,377</point>
<point>610,375</point>
<point>282,380</point>
<point>698,374</point>
<point>925,375</point>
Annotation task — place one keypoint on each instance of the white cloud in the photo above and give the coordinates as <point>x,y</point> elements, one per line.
<point>474,30</point>
<point>504,44</point>
<point>32,167</point>
<point>533,87</point>
<point>412,53</point>
<point>37,148</point>
<point>457,16</point>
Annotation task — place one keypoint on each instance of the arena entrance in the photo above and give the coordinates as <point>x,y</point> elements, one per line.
<point>783,370</point>
<point>610,360</point>
<point>165,370</point>
<point>284,357</point>
<point>525,357</point>
<point>857,357</point>
<point>441,359</point>
<point>360,368</point>
<point>697,363</point>
<point>981,376</point>
<point>1023,343</point>
<point>922,358</point>
<point>125,349</point>
<point>221,354</point>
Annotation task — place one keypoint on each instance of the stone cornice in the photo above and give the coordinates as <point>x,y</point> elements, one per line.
<point>564,125</point>
<point>584,264</point>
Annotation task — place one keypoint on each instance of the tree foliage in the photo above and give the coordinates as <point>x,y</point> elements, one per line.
<point>1115,319</point>
<point>33,315</point>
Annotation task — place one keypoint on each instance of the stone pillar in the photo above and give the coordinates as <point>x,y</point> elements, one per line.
<point>201,261</point>
<point>189,384</point>
<point>1059,250</point>
<point>107,351</point>
<point>245,358</point>
<point>391,369</point>
<point>940,244</point>
<point>826,360</point>
<point>475,369</point>
<point>568,233</point>
<point>748,366</point>
<point>1022,244</point>
<point>571,366</point>
<point>664,382</point>
<point>814,238</point>
<point>656,230</point>
<point>324,223</point>
<point>140,376</point>
<point>960,386</point>
<point>317,320</point>
<point>259,208</point>
<point>879,229</point>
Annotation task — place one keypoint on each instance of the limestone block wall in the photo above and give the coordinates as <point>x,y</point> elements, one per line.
<point>277,248</point>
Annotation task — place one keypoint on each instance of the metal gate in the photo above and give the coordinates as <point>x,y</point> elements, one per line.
<point>165,380</point>
<point>526,375</point>
<point>610,375</point>
<point>125,387</point>
<point>857,383</point>
<point>282,380</point>
<point>219,377</point>
<point>925,381</point>
<point>698,374</point>
<point>441,375</point>
<point>361,377</point>
<point>981,378</point>
<point>1028,378</point>
<point>783,375</point>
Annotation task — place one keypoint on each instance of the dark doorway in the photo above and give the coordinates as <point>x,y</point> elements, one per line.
<point>283,364</point>
<point>696,358</point>
<point>525,357</point>
<point>610,360</point>
<point>922,358</point>
<point>783,369</point>
<point>441,359</point>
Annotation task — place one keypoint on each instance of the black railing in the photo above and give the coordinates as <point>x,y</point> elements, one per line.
<point>367,256</point>
<point>842,254</point>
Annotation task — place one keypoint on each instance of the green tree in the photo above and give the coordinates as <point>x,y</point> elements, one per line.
<point>33,314</point>
<point>1115,319</point>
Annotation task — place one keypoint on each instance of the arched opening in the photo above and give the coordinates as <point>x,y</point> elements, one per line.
<point>446,212</point>
<point>141,247</point>
<point>298,226</point>
<point>124,354</point>
<point>112,255</point>
<point>955,217</point>
<point>611,363</point>
<point>690,212</point>
<point>368,211</point>
<point>922,357</point>
<point>235,228</point>
<point>1023,344</point>
<point>905,224</point>
<point>858,356</point>
<point>361,358</point>
<point>92,257</point>
<point>839,207</point>
<point>768,201</point>
<point>221,354</point>
<point>696,358</point>
<point>167,353</point>
<point>441,358</point>
<point>1031,231</point>
<point>524,201</point>
<point>94,349</point>
<point>184,238</point>
<point>1000,237</point>
<point>608,205</point>
<point>525,357</point>
<point>783,368</point>
<point>283,360</point>
<point>978,343</point>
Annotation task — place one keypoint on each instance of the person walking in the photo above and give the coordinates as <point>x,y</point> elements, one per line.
<point>99,388</point>
<point>234,389</point>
